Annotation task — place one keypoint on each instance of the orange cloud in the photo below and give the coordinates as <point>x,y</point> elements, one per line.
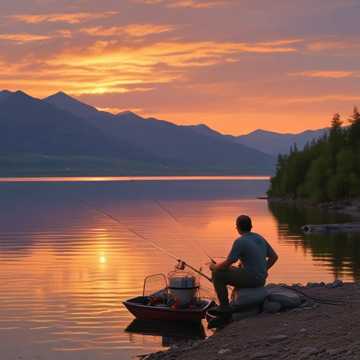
<point>321,98</point>
<point>325,74</point>
<point>115,110</point>
<point>23,38</point>
<point>195,4</point>
<point>134,30</point>
<point>70,18</point>
<point>331,45</point>
<point>106,67</point>
<point>102,53</point>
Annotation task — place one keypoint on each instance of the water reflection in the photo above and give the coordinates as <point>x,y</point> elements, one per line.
<point>339,252</point>
<point>65,268</point>
<point>171,334</point>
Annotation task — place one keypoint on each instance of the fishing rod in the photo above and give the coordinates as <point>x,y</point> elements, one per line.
<point>181,263</point>
<point>167,211</point>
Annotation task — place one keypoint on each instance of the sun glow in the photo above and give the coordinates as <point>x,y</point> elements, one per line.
<point>103,259</point>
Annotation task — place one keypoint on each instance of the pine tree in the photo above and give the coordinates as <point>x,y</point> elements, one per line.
<point>327,168</point>
<point>355,117</point>
<point>336,122</point>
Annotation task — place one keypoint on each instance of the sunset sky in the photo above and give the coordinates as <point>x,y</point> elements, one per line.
<point>236,65</point>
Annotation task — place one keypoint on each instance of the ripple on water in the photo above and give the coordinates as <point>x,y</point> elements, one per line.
<point>65,268</point>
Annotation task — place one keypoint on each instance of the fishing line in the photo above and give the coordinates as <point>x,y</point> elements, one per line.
<point>167,211</point>
<point>155,245</point>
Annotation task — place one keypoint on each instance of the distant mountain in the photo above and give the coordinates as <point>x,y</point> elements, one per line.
<point>268,142</point>
<point>31,126</point>
<point>179,144</point>
<point>63,127</point>
<point>274,143</point>
<point>206,130</point>
<point>4,94</point>
<point>67,103</point>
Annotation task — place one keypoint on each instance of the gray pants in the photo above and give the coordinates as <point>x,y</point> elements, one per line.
<point>236,277</point>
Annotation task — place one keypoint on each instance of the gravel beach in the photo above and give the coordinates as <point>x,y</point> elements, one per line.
<point>313,331</point>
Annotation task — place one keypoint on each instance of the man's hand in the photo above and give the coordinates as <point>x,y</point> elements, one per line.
<point>212,266</point>
<point>221,266</point>
<point>272,257</point>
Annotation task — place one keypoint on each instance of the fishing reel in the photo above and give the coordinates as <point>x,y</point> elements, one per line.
<point>180,265</point>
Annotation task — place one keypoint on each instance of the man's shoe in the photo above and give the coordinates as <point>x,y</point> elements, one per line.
<point>218,322</point>
<point>220,310</point>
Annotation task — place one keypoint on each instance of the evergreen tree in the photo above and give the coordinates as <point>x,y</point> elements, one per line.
<point>355,117</point>
<point>326,169</point>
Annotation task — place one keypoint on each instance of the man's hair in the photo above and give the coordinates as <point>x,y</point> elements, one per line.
<point>243,222</point>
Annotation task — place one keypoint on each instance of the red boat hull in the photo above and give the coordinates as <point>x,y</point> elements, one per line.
<point>137,306</point>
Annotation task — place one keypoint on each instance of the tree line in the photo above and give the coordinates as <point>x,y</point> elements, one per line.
<point>326,169</point>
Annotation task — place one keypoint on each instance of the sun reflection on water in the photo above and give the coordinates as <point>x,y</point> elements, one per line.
<point>65,269</point>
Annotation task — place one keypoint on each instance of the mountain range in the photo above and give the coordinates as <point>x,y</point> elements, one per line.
<point>60,134</point>
<point>268,142</point>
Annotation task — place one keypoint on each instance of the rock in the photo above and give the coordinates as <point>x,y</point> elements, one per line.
<point>244,314</point>
<point>242,298</point>
<point>287,298</point>
<point>309,350</point>
<point>334,284</point>
<point>271,307</point>
<point>224,351</point>
<point>315,284</point>
<point>333,352</point>
<point>263,355</point>
<point>337,283</point>
<point>276,338</point>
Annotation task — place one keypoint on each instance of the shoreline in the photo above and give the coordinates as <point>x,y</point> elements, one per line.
<point>292,334</point>
<point>314,331</point>
<point>348,207</point>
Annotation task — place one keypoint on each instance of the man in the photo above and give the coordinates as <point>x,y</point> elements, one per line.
<point>256,256</point>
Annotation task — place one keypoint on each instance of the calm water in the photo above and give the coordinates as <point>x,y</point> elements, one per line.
<point>65,268</point>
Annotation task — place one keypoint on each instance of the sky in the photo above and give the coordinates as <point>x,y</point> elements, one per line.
<point>235,65</point>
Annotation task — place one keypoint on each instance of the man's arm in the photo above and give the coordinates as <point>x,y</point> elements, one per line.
<point>231,259</point>
<point>272,256</point>
<point>221,266</point>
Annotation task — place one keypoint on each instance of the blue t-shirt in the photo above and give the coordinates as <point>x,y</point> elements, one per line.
<point>252,250</point>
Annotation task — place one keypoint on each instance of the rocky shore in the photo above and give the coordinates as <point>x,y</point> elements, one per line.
<point>327,329</point>
<point>350,207</point>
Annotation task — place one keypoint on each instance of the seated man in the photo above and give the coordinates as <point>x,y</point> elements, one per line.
<point>256,256</point>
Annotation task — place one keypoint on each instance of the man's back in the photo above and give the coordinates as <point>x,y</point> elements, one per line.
<point>252,250</point>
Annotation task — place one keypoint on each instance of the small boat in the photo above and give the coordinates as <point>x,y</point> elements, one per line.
<point>177,300</point>
<point>141,309</point>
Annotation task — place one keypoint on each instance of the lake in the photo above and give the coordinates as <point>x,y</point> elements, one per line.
<point>65,267</point>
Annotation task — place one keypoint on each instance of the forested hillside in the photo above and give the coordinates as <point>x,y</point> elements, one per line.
<point>326,169</point>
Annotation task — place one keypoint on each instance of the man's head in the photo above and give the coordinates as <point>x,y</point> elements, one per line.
<point>243,224</point>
